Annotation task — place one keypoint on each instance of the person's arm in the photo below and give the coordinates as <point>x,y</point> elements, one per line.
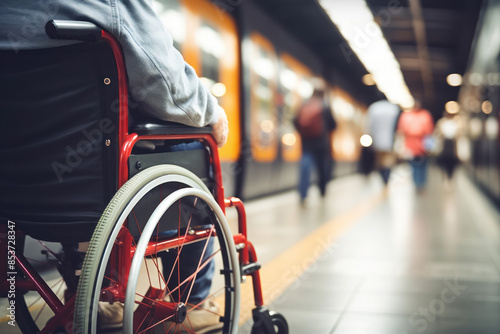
<point>161,83</point>
<point>430,123</point>
<point>400,126</point>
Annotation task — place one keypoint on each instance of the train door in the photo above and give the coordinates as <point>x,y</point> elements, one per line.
<point>264,118</point>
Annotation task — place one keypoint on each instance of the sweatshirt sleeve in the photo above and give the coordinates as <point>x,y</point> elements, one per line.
<point>161,83</point>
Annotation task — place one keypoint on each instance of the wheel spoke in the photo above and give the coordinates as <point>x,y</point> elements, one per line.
<point>198,269</point>
<point>211,296</point>
<point>61,284</point>
<point>190,277</point>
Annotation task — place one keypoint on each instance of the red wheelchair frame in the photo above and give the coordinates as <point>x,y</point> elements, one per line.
<point>32,281</point>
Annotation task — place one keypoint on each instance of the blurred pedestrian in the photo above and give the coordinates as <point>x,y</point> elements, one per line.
<point>315,122</point>
<point>446,133</point>
<point>416,125</point>
<point>382,121</point>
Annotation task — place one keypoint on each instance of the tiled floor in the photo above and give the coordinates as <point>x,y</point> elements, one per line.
<point>388,263</point>
<point>426,263</point>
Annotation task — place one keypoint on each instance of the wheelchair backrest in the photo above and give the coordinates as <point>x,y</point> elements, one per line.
<point>58,139</point>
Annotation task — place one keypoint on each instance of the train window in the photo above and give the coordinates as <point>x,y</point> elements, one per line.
<point>263,107</point>
<point>211,46</point>
<point>173,18</point>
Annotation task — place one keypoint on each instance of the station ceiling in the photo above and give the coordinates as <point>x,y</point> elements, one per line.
<point>429,38</point>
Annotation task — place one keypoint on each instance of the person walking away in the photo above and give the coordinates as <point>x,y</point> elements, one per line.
<point>382,121</point>
<point>315,122</point>
<point>446,132</point>
<point>415,126</point>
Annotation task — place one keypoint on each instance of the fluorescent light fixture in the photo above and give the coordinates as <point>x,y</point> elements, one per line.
<point>356,23</point>
<point>454,79</point>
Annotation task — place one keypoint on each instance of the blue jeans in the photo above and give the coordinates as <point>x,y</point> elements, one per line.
<point>306,165</point>
<point>323,166</point>
<point>189,256</point>
<point>419,169</point>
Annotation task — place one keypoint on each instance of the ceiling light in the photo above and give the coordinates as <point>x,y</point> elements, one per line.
<point>454,79</point>
<point>487,107</point>
<point>219,89</point>
<point>356,23</point>
<point>452,107</point>
<point>289,139</point>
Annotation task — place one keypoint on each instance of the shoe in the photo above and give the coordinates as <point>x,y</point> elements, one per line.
<point>110,315</point>
<point>201,320</point>
<point>303,204</point>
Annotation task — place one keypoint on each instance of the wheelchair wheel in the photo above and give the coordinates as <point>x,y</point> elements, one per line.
<point>25,321</point>
<point>31,310</point>
<point>185,226</point>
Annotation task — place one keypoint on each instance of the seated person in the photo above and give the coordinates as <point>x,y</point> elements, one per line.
<point>161,84</point>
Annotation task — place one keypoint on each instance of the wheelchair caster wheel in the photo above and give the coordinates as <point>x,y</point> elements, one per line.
<point>279,323</point>
<point>266,322</point>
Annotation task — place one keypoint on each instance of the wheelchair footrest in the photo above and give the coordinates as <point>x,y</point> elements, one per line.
<point>250,268</point>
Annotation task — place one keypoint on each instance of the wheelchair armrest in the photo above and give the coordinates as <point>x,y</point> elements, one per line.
<point>73,30</point>
<point>167,128</point>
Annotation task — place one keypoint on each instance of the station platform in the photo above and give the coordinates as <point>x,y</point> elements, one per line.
<point>365,259</point>
<point>369,260</point>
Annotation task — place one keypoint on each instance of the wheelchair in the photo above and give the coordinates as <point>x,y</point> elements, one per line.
<point>75,169</point>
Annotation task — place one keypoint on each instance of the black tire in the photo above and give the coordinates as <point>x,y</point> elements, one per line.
<point>131,198</point>
<point>279,323</point>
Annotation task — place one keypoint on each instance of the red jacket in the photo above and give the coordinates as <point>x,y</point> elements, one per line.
<point>415,125</point>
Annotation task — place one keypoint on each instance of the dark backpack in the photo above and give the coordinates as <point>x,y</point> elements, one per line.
<point>310,120</point>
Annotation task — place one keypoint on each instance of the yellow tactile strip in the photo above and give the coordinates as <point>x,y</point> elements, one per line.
<point>284,270</point>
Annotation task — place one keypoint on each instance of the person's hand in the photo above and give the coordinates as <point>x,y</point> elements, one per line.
<point>220,130</point>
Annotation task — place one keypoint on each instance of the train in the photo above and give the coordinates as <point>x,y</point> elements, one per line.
<point>479,101</point>
<point>261,73</point>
